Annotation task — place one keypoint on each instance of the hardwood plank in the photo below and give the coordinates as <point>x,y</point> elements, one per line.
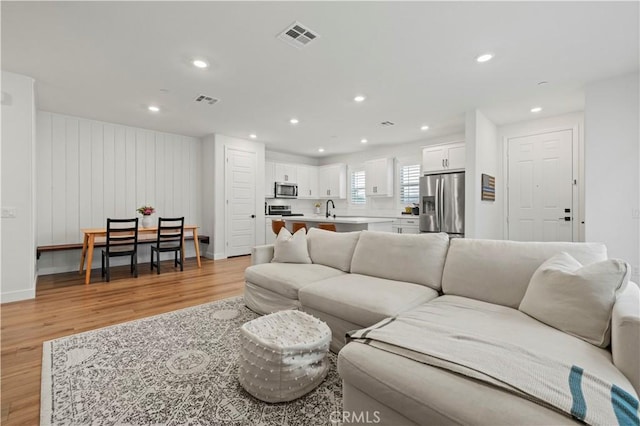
<point>65,306</point>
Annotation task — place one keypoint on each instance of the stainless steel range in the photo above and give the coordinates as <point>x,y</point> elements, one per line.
<point>281,211</point>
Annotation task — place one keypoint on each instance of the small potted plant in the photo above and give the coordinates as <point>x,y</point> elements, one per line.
<point>317,205</point>
<point>146,212</point>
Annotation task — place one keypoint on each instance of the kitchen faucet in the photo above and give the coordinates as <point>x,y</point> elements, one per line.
<point>332,206</point>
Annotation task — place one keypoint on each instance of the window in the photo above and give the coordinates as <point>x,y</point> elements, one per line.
<point>357,187</point>
<point>410,184</point>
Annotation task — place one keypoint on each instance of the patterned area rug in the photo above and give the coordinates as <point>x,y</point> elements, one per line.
<point>170,369</point>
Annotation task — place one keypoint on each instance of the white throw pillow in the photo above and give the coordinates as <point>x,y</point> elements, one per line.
<point>291,248</point>
<point>574,298</point>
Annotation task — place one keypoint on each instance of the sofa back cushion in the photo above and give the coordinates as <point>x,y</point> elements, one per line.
<point>334,249</point>
<point>499,271</point>
<point>416,259</point>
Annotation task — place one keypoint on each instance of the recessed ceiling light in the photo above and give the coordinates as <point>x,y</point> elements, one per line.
<point>153,108</point>
<point>363,141</point>
<point>536,109</point>
<point>423,128</point>
<point>199,63</point>
<point>359,98</point>
<point>294,121</point>
<point>320,149</point>
<point>253,136</point>
<point>484,57</point>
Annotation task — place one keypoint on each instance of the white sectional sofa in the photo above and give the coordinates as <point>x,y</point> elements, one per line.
<point>359,280</point>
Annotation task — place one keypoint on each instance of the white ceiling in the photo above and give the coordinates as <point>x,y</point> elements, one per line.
<point>415,62</point>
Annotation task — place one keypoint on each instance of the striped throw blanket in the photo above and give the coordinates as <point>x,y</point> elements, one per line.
<point>549,382</point>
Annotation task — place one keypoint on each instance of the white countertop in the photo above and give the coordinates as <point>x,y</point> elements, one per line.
<point>338,219</point>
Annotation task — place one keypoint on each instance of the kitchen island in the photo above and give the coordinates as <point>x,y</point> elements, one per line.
<point>345,223</point>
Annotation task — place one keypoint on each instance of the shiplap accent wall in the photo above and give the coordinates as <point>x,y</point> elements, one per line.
<point>89,170</point>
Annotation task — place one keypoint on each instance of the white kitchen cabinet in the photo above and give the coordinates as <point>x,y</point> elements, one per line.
<point>269,178</point>
<point>332,181</point>
<point>307,181</point>
<point>443,158</point>
<point>379,177</point>
<point>285,173</point>
<point>406,226</point>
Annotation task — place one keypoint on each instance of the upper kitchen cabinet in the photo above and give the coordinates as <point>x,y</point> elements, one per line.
<point>307,181</point>
<point>269,178</point>
<point>285,173</point>
<point>332,181</point>
<point>379,177</point>
<point>443,158</point>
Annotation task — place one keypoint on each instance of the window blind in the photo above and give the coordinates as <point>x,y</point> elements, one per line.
<point>357,187</point>
<point>410,184</point>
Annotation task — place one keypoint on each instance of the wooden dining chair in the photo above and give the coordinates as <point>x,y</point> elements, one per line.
<point>298,226</point>
<point>122,240</point>
<point>277,225</point>
<point>327,226</point>
<point>170,238</point>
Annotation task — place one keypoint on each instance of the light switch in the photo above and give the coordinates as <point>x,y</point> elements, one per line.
<point>9,212</point>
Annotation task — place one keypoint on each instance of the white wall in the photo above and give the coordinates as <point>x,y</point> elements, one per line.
<point>214,213</point>
<point>18,250</point>
<point>612,189</point>
<point>573,121</point>
<point>405,154</point>
<point>280,157</point>
<point>483,219</point>
<point>90,170</point>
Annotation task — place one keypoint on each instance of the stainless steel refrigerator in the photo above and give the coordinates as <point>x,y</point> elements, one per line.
<point>442,203</point>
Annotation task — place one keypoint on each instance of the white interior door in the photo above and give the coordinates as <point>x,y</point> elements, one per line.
<point>540,187</point>
<point>241,201</point>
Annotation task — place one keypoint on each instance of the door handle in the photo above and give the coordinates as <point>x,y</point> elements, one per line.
<point>565,218</point>
<point>443,162</point>
<point>253,216</point>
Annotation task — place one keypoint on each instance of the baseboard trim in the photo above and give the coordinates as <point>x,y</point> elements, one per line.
<point>15,296</point>
<point>96,265</point>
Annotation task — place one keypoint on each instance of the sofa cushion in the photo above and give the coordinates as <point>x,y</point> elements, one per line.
<point>403,257</point>
<point>575,299</point>
<point>500,271</point>
<point>362,299</point>
<point>334,249</point>
<point>287,278</point>
<point>402,384</point>
<point>291,248</point>
<point>397,382</point>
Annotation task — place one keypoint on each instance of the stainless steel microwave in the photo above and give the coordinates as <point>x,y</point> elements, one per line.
<point>285,190</point>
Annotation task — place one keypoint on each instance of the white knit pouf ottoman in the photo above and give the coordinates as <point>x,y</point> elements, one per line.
<point>283,355</point>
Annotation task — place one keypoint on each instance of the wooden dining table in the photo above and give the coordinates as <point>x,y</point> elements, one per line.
<point>90,235</point>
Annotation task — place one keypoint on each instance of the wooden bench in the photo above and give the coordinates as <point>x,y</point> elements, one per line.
<point>204,239</point>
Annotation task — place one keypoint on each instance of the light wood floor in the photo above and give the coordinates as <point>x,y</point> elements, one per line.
<point>64,306</point>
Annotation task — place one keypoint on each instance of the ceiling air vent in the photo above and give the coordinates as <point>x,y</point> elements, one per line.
<point>298,35</point>
<point>387,123</point>
<point>206,99</point>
